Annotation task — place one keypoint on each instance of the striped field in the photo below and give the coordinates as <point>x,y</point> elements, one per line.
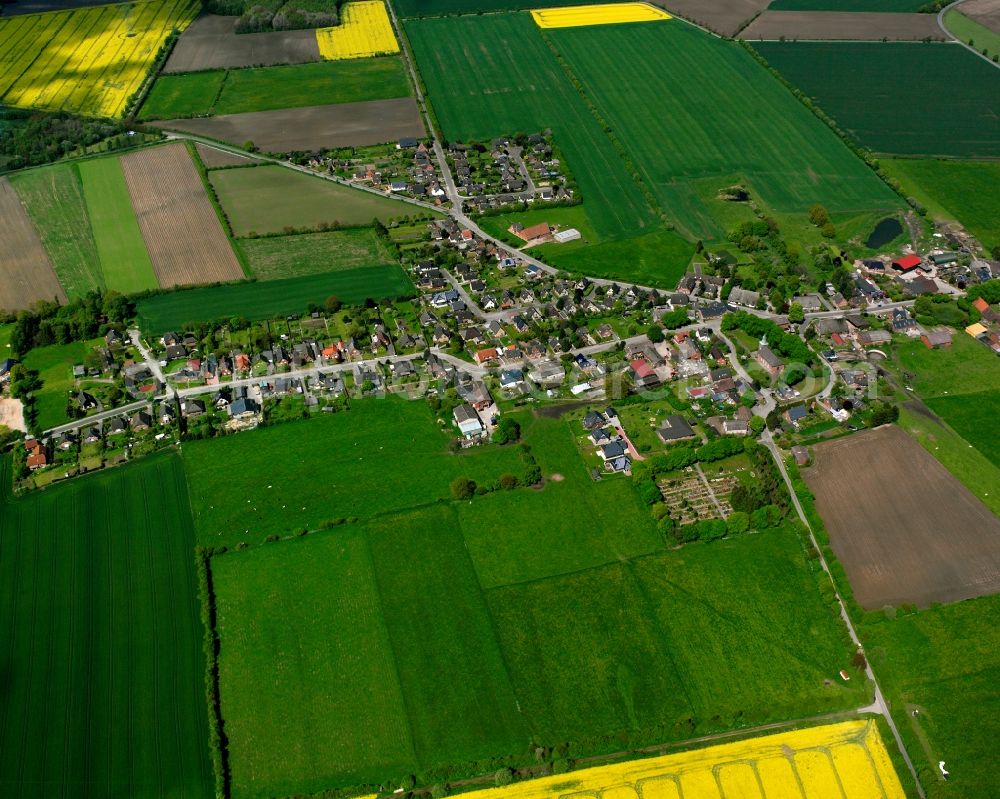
<point>89,60</point>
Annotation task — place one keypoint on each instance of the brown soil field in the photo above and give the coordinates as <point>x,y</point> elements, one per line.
<point>312,128</point>
<point>722,16</point>
<point>819,25</point>
<point>184,237</point>
<point>212,157</point>
<point>905,529</point>
<point>26,274</point>
<point>211,42</point>
<point>985,12</point>
<point>12,414</point>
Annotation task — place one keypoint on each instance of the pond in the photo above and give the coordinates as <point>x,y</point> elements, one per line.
<point>885,231</point>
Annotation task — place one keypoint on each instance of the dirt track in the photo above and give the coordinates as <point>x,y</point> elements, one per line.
<point>184,237</point>
<point>905,529</point>
<point>211,43</point>
<point>985,12</point>
<point>837,25</point>
<point>722,16</point>
<point>26,274</point>
<point>312,128</point>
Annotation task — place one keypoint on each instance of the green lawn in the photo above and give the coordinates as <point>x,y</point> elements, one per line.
<point>975,417</point>
<point>301,474</point>
<point>122,250</point>
<point>309,688</point>
<point>267,299</point>
<point>53,197</point>
<point>494,75</point>
<point>945,662</point>
<point>269,199</point>
<point>696,106</point>
<point>966,367</point>
<point>314,253</point>
<point>970,31</point>
<point>870,90</point>
<point>959,190</point>
<point>104,691</point>
<point>656,259</point>
<point>191,94</point>
<point>54,365</point>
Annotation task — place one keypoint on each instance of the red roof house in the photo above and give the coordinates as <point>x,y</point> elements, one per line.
<point>907,263</point>
<point>980,304</point>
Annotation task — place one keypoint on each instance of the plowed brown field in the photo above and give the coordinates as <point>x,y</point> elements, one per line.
<point>26,274</point>
<point>185,240</point>
<point>903,526</point>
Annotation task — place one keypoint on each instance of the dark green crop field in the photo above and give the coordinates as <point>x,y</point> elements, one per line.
<point>494,75</point>
<point>904,98</point>
<point>238,91</point>
<point>435,8</point>
<point>270,298</point>
<point>103,672</point>
<point>694,106</point>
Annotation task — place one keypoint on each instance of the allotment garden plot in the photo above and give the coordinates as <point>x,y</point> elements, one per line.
<point>103,669</point>
<point>89,60</point>
<point>903,526</point>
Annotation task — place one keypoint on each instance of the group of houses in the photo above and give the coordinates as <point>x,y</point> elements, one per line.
<point>611,444</point>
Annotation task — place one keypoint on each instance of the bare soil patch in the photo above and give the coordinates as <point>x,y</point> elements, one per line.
<point>906,530</point>
<point>311,128</point>
<point>213,157</point>
<point>211,42</point>
<point>184,237</point>
<point>727,17</point>
<point>837,25</point>
<point>12,414</point>
<point>985,12</point>
<point>26,274</point>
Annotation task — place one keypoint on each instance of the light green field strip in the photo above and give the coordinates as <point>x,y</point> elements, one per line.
<point>972,33</point>
<point>124,259</point>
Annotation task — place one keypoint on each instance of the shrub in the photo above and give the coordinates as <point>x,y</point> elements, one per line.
<point>463,488</point>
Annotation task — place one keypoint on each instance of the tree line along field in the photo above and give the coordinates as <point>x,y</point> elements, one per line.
<point>237,91</point>
<point>127,223</point>
<point>87,60</point>
<point>958,190</point>
<point>103,665</point>
<point>868,88</point>
<point>380,645</point>
<point>270,298</point>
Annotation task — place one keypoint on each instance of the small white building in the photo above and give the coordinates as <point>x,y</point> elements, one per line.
<point>570,234</point>
<point>468,421</point>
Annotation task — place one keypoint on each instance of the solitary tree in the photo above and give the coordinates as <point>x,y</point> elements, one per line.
<point>463,488</point>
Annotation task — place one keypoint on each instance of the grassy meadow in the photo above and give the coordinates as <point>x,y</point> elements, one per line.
<point>868,88</point>
<point>103,668</point>
<point>268,299</point>
<point>677,131</point>
<point>280,257</point>
<point>949,189</point>
<point>238,91</point>
<point>54,365</point>
<point>270,199</point>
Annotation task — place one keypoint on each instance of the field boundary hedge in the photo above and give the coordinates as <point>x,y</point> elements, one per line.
<point>217,742</point>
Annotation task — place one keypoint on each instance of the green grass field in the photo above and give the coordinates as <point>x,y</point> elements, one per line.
<point>191,94</point>
<point>269,199</point>
<point>869,89</point>
<point>267,299</point>
<point>122,250</point>
<point>104,689</point>
<point>494,75</point>
<point>314,253</point>
<point>975,417</point>
<point>967,30</point>
<point>656,259</point>
<point>959,190</point>
<point>903,6</point>
<point>54,365</point>
<point>53,197</point>
<point>333,466</point>
<point>966,367</point>
<point>695,106</point>
<point>238,91</point>
<point>945,662</point>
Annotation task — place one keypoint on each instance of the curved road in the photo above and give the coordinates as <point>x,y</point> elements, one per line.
<point>954,38</point>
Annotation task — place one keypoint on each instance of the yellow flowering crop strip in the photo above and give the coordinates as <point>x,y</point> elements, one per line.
<point>805,764</point>
<point>604,14</point>
<point>87,60</point>
<point>364,31</point>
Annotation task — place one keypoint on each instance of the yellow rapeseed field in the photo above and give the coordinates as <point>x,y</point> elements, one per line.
<point>846,760</point>
<point>89,60</point>
<point>364,31</point>
<point>605,14</point>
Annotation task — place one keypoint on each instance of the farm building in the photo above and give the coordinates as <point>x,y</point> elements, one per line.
<point>533,233</point>
<point>674,428</point>
<point>468,421</point>
<point>907,263</point>
<point>935,339</point>
<point>570,234</point>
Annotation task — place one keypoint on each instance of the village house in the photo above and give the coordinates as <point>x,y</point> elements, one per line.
<point>468,422</point>
<point>770,362</point>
